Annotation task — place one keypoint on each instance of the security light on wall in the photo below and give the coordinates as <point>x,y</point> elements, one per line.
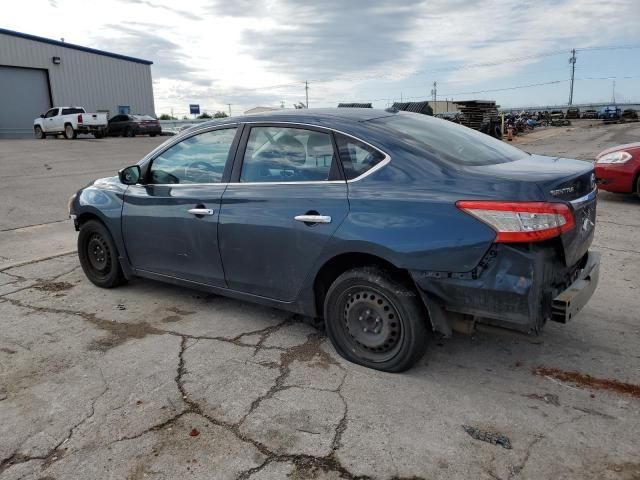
<point>56,60</point>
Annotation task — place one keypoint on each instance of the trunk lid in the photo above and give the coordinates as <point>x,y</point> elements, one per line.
<point>559,180</point>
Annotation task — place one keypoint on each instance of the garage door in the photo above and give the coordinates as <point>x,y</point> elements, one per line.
<point>24,95</point>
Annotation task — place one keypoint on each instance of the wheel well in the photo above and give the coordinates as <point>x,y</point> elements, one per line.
<point>335,267</point>
<point>85,217</point>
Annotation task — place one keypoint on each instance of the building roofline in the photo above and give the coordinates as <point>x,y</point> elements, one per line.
<point>58,43</point>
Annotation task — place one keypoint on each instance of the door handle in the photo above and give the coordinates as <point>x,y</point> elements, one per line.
<point>200,211</point>
<point>313,218</point>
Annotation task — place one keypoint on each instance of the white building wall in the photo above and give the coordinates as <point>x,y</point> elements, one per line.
<point>93,81</point>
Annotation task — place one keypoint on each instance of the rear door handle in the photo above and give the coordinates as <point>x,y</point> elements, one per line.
<point>313,218</point>
<point>200,211</point>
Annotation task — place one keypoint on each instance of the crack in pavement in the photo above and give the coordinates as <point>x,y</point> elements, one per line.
<point>516,470</point>
<point>38,260</point>
<point>55,452</point>
<point>308,351</point>
<point>12,229</point>
<point>622,250</point>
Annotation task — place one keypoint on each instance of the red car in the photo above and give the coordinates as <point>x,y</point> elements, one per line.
<point>618,169</point>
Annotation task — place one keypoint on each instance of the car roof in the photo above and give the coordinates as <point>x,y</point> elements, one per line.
<point>317,116</point>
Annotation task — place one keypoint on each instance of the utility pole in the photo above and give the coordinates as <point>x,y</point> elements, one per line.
<point>434,94</point>
<point>229,108</point>
<point>613,93</point>
<point>572,61</point>
<point>306,92</point>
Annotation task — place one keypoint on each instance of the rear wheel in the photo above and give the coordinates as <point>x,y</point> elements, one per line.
<point>37,131</point>
<point>69,132</point>
<point>98,134</point>
<point>638,186</point>
<point>98,255</point>
<point>375,320</point>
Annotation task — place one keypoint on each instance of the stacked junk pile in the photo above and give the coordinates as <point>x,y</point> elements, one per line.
<point>481,115</point>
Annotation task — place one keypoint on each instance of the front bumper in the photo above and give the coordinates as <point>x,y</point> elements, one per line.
<point>518,288</point>
<point>616,177</point>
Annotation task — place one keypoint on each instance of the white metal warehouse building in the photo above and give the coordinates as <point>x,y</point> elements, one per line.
<point>38,73</point>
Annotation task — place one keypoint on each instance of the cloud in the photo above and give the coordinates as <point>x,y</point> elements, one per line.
<point>313,39</point>
<point>135,39</point>
<point>176,11</point>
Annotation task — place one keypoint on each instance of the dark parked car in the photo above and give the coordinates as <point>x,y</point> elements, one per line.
<point>573,112</point>
<point>387,225</point>
<point>590,114</point>
<point>132,125</point>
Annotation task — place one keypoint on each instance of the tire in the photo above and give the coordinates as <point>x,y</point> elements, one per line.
<point>152,134</point>
<point>37,131</point>
<point>99,256</point>
<point>98,135</point>
<point>69,132</point>
<point>375,320</point>
<point>638,186</point>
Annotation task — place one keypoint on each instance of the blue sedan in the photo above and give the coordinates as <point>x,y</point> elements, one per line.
<point>385,226</point>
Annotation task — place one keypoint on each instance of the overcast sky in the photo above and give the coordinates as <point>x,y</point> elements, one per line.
<point>248,53</point>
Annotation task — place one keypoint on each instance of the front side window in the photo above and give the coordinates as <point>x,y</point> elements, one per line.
<point>197,159</point>
<point>51,113</point>
<point>357,157</point>
<point>282,154</point>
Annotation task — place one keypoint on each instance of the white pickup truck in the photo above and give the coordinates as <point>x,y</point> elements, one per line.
<point>70,121</point>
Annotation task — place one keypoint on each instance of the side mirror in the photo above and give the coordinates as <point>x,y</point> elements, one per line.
<point>42,115</point>
<point>130,175</point>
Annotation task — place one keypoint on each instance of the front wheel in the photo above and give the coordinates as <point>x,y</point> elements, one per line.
<point>375,320</point>
<point>69,132</point>
<point>37,131</point>
<point>98,255</point>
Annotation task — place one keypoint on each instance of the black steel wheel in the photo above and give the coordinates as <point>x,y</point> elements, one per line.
<point>375,320</point>
<point>99,255</point>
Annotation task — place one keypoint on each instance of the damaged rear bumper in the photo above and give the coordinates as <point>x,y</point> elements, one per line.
<point>513,287</point>
<point>568,303</point>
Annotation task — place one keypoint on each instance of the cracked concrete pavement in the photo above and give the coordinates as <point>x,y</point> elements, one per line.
<point>156,381</point>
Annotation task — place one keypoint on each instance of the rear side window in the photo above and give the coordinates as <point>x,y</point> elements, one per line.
<point>449,141</point>
<point>283,154</point>
<point>357,157</point>
<point>198,159</point>
<point>71,111</point>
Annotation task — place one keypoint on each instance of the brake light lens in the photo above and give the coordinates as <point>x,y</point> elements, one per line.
<point>79,118</point>
<point>516,222</point>
<point>614,157</point>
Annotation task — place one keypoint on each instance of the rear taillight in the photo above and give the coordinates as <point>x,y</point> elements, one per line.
<point>79,118</point>
<point>521,221</point>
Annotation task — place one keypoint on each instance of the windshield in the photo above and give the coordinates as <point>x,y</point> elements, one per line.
<point>448,140</point>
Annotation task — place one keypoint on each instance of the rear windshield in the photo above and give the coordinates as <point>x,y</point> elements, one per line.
<point>71,111</point>
<point>142,117</point>
<point>449,141</point>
